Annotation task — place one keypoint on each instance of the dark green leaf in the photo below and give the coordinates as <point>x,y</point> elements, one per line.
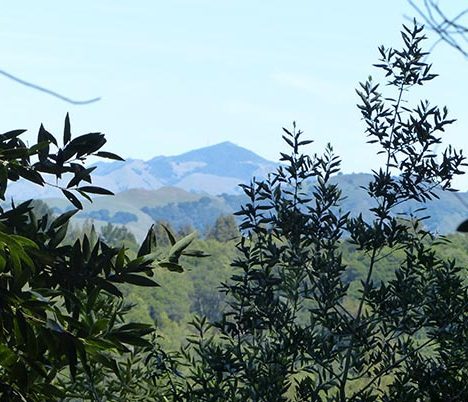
<point>63,218</point>
<point>176,250</point>
<point>82,174</point>
<point>137,280</point>
<point>108,287</point>
<point>37,147</point>
<point>66,130</point>
<point>11,134</point>
<point>170,235</point>
<point>72,198</point>
<point>95,190</point>
<point>30,175</point>
<point>59,236</point>
<point>148,243</point>
<point>109,155</point>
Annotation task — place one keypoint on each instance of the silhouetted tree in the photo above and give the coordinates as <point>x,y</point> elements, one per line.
<point>288,333</point>
<point>63,333</point>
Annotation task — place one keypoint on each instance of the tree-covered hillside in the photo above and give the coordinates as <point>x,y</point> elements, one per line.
<point>196,291</point>
<point>138,208</point>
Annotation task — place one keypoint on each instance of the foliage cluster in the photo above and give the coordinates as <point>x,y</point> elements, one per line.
<point>60,303</point>
<point>406,338</point>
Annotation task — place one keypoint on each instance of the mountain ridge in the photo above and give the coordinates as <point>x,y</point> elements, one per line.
<point>195,187</point>
<point>138,209</point>
<point>215,169</point>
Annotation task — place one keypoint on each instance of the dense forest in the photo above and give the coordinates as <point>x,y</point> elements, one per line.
<point>292,298</point>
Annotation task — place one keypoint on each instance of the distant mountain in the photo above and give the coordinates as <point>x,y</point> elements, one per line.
<point>213,170</point>
<point>138,209</point>
<point>444,214</point>
<point>194,188</point>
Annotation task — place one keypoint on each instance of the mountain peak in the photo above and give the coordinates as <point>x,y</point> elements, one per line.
<point>218,153</point>
<point>214,169</point>
<point>225,143</point>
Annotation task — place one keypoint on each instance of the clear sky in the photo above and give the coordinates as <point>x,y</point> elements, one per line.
<point>181,74</point>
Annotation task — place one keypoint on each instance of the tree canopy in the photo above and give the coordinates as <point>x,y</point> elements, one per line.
<point>61,304</point>
<point>297,326</point>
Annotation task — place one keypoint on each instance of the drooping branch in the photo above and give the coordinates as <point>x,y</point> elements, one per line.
<point>48,91</point>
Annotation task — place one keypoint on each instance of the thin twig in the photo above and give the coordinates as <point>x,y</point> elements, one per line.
<point>449,29</point>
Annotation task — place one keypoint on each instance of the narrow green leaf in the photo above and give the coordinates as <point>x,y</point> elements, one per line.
<point>148,243</point>
<point>83,174</point>
<point>171,266</point>
<point>120,260</point>
<point>170,235</point>
<point>176,250</point>
<point>59,236</point>
<point>30,175</point>
<point>11,134</point>
<point>108,287</point>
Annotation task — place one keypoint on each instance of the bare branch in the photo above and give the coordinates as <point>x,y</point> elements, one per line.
<point>452,30</point>
<point>48,91</point>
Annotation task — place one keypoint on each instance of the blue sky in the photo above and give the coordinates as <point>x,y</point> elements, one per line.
<point>182,74</point>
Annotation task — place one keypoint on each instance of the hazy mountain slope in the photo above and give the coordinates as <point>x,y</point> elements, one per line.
<point>225,159</point>
<point>138,209</point>
<point>214,170</point>
<point>445,213</point>
<point>125,207</point>
<point>195,187</point>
